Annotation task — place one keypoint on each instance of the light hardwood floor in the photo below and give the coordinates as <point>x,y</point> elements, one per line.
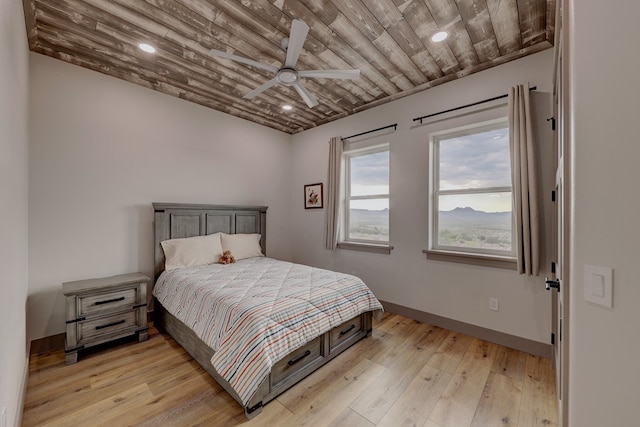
<point>407,374</point>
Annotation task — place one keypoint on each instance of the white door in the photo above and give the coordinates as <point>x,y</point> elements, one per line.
<point>559,284</point>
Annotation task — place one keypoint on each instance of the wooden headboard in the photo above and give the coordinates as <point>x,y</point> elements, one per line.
<point>177,220</point>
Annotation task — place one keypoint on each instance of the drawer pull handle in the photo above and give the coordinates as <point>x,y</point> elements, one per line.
<point>346,331</point>
<point>107,301</point>
<point>299,358</point>
<point>119,322</point>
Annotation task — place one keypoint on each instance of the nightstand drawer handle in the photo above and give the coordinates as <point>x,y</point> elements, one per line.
<point>119,322</point>
<point>107,301</point>
<point>299,358</point>
<point>346,331</point>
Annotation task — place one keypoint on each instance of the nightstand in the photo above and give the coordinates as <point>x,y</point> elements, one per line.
<point>105,309</point>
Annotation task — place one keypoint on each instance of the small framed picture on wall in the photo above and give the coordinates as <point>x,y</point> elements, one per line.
<point>313,196</point>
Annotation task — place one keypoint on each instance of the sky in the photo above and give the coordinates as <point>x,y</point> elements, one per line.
<point>370,174</point>
<point>476,161</point>
<point>480,160</point>
<point>466,162</point>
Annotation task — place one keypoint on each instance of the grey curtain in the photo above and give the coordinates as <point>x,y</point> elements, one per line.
<point>525,181</point>
<point>332,213</point>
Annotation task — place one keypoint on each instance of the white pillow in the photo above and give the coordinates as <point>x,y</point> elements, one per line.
<point>242,245</point>
<point>192,251</point>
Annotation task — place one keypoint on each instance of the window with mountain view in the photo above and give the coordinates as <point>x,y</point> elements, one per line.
<point>471,190</point>
<point>366,211</point>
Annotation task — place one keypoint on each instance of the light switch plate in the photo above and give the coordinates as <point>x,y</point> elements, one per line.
<point>598,285</point>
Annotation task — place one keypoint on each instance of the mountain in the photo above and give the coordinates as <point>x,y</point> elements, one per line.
<point>458,217</point>
<point>366,214</point>
<point>466,216</point>
<point>467,211</point>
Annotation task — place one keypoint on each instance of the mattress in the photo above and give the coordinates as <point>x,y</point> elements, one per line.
<point>256,311</point>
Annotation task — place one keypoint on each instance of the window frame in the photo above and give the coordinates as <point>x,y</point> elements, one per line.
<point>361,244</point>
<point>481,256</point>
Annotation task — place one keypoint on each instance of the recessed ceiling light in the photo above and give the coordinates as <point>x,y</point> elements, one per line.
<point>287,107</point>
<point>147,48</point>
<point>439,36</point>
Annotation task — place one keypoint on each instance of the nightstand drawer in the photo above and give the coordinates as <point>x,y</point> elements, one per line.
<point>107,325</point>
<point>107,302</point>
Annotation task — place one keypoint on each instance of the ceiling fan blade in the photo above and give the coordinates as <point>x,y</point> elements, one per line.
<point>299,31</point>
<point>261,88</point>
<point>331,74</point>
<point>305,94</point>
<point>243,60</point>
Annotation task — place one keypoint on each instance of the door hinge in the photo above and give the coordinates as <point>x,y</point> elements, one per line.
<point>553,338</point>
<point>551,283</point>
<point>553,195</point>
<point>553,122</point>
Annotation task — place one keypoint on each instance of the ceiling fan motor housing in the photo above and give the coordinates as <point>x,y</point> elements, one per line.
<point>287,76</point>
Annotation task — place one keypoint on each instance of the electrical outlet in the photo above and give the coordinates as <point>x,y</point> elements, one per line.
<point>493,304</point>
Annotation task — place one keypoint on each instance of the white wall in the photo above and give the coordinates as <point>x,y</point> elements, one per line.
<point>102,150</point>
<point>406,277</point>
<point>603,79</point>
<point>14,99</point>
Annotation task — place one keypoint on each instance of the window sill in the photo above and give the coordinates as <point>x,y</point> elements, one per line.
<point>366,247</point>
<point>472,259</point>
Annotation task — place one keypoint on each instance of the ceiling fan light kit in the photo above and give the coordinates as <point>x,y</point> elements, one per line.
<point>287,74</point>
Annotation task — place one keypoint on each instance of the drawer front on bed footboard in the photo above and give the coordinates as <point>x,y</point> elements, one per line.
<point>296,361</point>
<point>342,334</point>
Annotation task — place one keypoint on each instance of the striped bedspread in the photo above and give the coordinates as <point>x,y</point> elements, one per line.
<point>256,311</point>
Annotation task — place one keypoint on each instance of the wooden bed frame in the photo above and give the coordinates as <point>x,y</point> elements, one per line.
<point>175,220</point>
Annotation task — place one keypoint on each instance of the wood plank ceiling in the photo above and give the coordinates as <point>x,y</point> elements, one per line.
<point>387,40</point>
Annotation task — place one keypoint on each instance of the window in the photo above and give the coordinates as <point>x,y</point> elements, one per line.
<point>471,201</point>
<point>366,213</point>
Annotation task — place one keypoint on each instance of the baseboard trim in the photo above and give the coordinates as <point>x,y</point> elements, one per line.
<point>23,389</point>
<point>43,345</point>
<point>512,341</point>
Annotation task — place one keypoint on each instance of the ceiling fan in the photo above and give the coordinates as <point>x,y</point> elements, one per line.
<point>287,74</point>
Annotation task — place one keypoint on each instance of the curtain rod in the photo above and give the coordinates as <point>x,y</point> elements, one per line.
<point>394,126</point>
<point>466,106</point>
